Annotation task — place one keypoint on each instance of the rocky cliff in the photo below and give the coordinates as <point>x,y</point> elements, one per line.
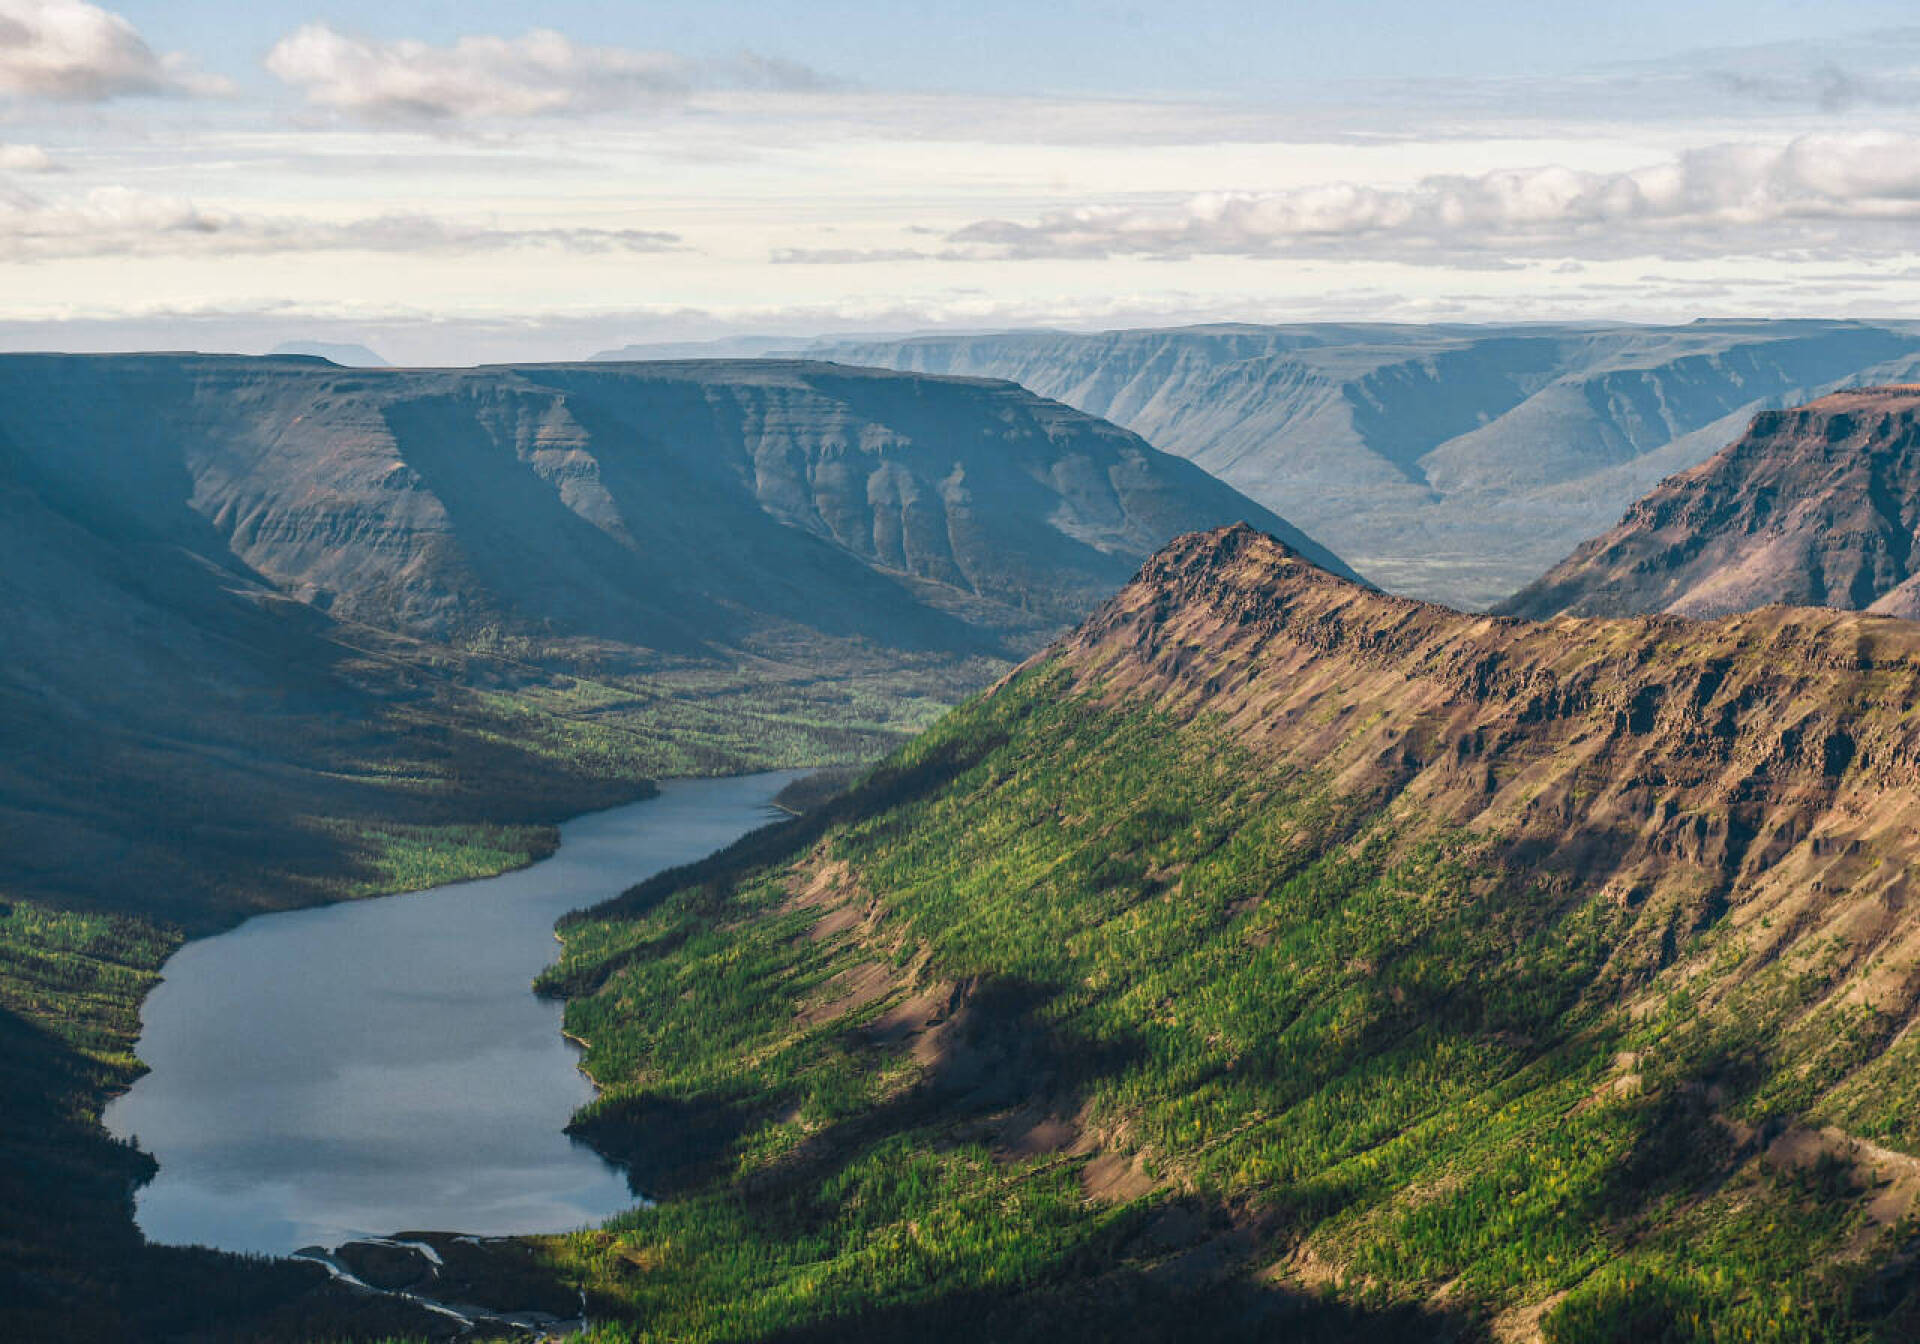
<point>1815,506</point>
<point>680,507</point>
<point>1447,462</point>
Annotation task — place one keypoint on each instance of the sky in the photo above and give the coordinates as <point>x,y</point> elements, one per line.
<point>460,182</point>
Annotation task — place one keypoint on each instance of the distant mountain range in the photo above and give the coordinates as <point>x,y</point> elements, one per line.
<point>720,347</point>
<point>674,507</point>
<point>1455,463</point>
<point>348,356</point>
<point>1815,506</point>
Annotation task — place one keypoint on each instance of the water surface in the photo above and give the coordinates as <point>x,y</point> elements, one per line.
<point>383,1065</point>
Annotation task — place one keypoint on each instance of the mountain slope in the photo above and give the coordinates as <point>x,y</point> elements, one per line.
<point>171,716</point>
<point>1272,949</point>
<point>1817,506</point>
<point>683,508</point>
<point>1447,462</point>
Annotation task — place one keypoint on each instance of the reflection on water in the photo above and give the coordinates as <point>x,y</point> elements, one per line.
<point>382,1065</point>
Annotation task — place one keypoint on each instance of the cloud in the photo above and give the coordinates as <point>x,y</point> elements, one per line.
<point>541,73</point>
<point>116,221</point>
<point>1837,193</point>
<point>845,256</point>
<point>25,159</point>
<point>70,51</point>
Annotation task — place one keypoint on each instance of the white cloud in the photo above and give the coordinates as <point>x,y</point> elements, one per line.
<point>540,73</point>
<point>25,159</point>
<point>75,52</point>
<point>1847,193</point>
<point>116,221</point>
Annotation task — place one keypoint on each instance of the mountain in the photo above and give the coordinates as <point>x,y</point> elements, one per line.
<point>280,632</point>
<point>1816,506</point>
<point>1449,462</point>
<point>168,714</point>
<point>1277,958</point>
<point>688,508</point>
<point>722,347</point>
<point>347,356</point>
<point>259,608</point>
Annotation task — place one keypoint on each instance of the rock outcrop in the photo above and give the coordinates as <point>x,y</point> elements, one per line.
<point>1815,506</point>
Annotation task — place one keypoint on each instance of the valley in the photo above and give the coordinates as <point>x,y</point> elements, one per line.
<point>1277,957</point>
<point>1269,953</point>
<point>1455,463</point>
<point>282,633</point>
<point>778,673</point>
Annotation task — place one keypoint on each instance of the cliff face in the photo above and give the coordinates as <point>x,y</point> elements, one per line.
<point>1557,979</point>
<point>1817,506</point>
<point>678,507</point>
<point>1702,760</point>
<point>1446,462</point>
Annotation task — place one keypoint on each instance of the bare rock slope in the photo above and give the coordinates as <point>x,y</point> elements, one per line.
<point>1816,506</point>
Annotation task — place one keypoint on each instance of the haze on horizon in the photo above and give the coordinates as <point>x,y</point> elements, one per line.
<point>453,183</point>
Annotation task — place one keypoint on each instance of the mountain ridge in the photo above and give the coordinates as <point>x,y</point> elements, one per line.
<point>1453,461</point>
<point>1818,505</point>
<point>1271,941</point>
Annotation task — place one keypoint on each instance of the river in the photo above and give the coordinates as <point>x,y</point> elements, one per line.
<point>383,1065</point>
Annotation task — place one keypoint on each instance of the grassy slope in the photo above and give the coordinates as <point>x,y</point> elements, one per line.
<point>1099,995</point>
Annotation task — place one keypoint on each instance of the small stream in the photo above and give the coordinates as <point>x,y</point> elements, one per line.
<point>338,1074</point>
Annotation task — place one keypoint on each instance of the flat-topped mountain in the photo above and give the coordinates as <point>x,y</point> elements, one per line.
<point>259,579</point>
<point>1273,957</point>
<point>1815,506</point>
<point>1451,462</point>
<point>683,507</point>
<point>346,354</point>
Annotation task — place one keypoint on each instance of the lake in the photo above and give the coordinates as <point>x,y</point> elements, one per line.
<point>383,1065</point>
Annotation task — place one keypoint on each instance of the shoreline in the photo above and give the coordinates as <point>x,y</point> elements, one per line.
<point>753,811</point>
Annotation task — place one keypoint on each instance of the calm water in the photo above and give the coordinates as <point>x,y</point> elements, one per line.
<point>383,1065</point>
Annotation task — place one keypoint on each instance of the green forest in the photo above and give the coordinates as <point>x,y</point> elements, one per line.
<point>1076,1015</point>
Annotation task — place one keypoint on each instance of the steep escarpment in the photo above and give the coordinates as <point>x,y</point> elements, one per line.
<point>1815,506</point>
<point>1447,462</point>
<point>680,508</point>
<point>1271,949</point>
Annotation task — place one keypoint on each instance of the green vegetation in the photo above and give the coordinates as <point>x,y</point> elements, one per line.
<point>455,779</point>
<point>1075,1017</point>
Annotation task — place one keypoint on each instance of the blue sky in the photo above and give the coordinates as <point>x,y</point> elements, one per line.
<point>1201,47</point>
<point>447,183</point>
